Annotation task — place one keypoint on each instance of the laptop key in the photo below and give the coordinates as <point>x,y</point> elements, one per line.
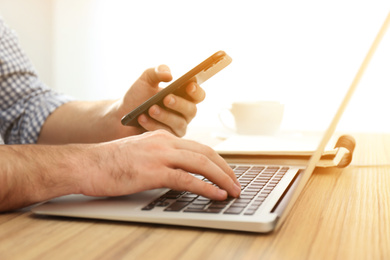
<point>217,206</point>
<point>191,210</point>
<point>176,206</point>
<point>234,210</point>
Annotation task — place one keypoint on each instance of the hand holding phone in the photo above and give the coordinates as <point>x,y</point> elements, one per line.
<point>198,74</point>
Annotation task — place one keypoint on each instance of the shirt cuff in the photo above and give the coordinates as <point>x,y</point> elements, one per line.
<point>36,113</point>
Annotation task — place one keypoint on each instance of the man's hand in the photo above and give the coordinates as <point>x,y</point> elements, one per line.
<point>99,121</point>
<point>155,160</point>
<point>181,111</point>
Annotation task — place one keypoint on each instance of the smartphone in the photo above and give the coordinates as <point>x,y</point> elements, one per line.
<point>198,74</point>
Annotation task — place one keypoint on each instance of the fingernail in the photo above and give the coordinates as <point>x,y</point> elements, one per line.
<point>163,69</point>
<point>222,194</point>
<point>237,189</point>
<point>142,119</point>
<point>172,101</point>
<point>193,88</point>
<point>155,110</point>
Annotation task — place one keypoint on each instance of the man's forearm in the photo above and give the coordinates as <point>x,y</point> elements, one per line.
<point>84,122</point>
<point>34,173</point>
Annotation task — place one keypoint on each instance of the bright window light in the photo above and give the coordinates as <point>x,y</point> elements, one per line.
<point>302,53</point>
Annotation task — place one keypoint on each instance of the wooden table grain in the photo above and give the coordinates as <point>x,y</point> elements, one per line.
<point>342,214</point>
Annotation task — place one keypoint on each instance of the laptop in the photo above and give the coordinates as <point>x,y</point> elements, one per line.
<point>269,191</point>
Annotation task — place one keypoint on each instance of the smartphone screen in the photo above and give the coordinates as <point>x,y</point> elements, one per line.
<point>198,74</point>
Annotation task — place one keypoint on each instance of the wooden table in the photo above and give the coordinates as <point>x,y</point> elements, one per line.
<point>342,214</point>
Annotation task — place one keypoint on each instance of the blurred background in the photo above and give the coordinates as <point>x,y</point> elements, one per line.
<point>301,53</point>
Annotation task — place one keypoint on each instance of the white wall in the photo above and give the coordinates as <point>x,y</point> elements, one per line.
<point>32,20</point>
<point>72,47</point>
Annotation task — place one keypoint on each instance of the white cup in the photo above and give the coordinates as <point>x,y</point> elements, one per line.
<point>255,118</point>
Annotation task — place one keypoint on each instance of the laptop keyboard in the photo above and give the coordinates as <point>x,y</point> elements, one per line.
<point>257,182</point>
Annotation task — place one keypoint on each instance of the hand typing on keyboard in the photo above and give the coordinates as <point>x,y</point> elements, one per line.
<point>257,183</point>
<point>161,160</point>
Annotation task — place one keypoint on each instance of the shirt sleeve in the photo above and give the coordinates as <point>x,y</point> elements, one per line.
<point>25,101</point>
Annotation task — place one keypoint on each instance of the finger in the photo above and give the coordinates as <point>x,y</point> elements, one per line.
<point>158,74</point>
<point>150,124</point>
<point>183,181</point>
<point>200,164</point>
<point>195,92</point>
<point>163,73</point>
<point>209,153</point>
<point>176,123</point>
<point>182,106</point>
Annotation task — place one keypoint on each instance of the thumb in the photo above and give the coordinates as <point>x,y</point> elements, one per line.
<point>163,73</point>
<point>158,74</point>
